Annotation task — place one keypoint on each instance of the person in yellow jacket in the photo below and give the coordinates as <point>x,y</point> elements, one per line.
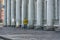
<point>25,21</point>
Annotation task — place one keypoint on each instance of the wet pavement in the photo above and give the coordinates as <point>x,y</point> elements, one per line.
<point>23,34</point>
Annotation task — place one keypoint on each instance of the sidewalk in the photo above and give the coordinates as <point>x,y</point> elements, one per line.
<point>19,34</point>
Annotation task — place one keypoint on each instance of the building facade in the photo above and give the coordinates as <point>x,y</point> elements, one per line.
<point>1,10</point>
<point>37,13</point>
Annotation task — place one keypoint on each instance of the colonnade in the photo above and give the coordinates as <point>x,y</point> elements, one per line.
<point>36,13</point>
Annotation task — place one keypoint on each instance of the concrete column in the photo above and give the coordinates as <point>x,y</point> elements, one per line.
<point>18,12</point>
<point>31,14</point>
<point>45,13</point>
<point>12,13</point>
<point>45,10</point>
<point>50,12</point>
<point>56,10</point>
<point>24,11</point>
<point>5,13</point>
<point>59,13</point>
<point>39,14</point>
<point>8,12</point>
<point>35,12</point>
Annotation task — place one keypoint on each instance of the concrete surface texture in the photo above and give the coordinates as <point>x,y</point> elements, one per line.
<point>19,34</point>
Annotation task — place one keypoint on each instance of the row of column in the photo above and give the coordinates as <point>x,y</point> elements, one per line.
<point>28,13</point>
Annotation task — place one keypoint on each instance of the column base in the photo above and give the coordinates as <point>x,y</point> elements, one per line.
<point>57,28</point>
<point>13,25</point>
<point>18,26</point>
<point>30,27</point>
<point>39,28</point>
<point>4,25</point>
<point>8,25</point>
<point>49,28</point>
